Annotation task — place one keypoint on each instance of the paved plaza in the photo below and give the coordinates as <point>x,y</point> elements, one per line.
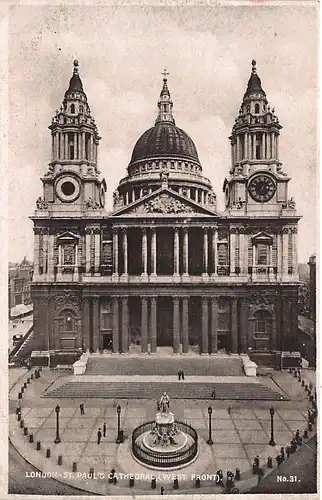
<point>240,431</point>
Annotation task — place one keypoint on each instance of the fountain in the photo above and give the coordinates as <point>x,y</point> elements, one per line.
<point>165,443</point>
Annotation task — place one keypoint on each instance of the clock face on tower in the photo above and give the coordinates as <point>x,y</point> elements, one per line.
<point>262,188</point>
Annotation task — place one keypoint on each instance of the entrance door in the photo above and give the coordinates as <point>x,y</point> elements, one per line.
<point>165,326</point>
<point>107,341</point>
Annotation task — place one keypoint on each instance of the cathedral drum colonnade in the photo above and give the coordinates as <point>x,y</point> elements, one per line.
<point>165,267</point>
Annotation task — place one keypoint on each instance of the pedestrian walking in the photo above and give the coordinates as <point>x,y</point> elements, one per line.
<point>229,409</point>
<point>81,407</point>
<point>213,394</point>
<point>260,474</point>
<point>161,490</point>
<point>182,374</point>
<point>179,375</point>
<point>104,430</point>
<point>99,436</point>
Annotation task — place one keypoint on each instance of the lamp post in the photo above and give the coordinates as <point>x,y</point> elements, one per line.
<point>210,441</point>
<point>57,410</point>
<point>118,411</point>
<point>272,411</point>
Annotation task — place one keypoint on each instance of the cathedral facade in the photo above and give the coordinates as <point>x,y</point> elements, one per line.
<point>164,267</point>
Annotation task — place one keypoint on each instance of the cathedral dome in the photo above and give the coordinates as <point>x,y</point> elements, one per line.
<point>164,139</point>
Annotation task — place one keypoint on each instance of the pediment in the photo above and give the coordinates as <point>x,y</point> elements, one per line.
<point>262,236</point>
<point>164,202</point>
<point>67,236</point>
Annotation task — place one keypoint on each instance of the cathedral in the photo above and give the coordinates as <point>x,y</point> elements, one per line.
<point>164,267</point>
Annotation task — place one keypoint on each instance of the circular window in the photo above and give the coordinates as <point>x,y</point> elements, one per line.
<point>68,188</point>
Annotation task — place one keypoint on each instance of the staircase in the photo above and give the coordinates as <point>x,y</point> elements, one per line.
<point>155,365</point>
<point>175,390</point>
<point>22,352</point>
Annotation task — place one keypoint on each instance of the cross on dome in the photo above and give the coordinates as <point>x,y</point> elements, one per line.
<point>165,74</point>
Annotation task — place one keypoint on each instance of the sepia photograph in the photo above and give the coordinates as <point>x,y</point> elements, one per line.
<point>162,243</point>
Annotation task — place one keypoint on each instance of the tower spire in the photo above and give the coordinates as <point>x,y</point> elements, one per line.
<point>165,103</point>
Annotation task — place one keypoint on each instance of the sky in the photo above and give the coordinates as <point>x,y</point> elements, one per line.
<point>122,51</point>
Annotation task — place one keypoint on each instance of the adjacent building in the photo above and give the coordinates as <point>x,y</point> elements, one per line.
<point>165,267</point>
<point>19,283</point>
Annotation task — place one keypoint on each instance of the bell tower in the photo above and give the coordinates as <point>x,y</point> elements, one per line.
<point>72,183</point>
<point>257,183</point>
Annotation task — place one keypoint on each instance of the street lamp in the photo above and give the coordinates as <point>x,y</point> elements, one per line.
<point>210,441</point>
<point>118,410</point>
<point>57,410</point>
<point>272,411</point>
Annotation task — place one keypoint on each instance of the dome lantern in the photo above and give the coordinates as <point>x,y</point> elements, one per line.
<point>165,104</point>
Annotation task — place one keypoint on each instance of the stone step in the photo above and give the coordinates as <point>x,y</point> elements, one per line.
<point>146,365</point>
<point>151,390</point>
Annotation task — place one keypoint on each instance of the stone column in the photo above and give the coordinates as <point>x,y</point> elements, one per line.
<point>115,252</point>
<point>250,145</point>
<point>214,325</point>
<point>294,259</point>
<point>232,251</point>
<point>279,252</point>
<point>244,325</point>
<point>36,254</point>
<point>245,146</point>
<point>285,252</point>
<point>277,146</point>
<point>205,251</point>
<point>234,326</point>
<point>125,253</point>
<point>185,251</point>
<point>214,250</point>
<point>88,250</point>
<point>115,324</point>
<point>79,146</point>
<point>83,146</point>
<point>196,195</point>
<point>97,238</point>
<point>126,198</point>
<point>144,252</point>
<point>176,252</point>
<point>153,326</point>
<point>154,253</point>
<point>75,146</point>
<point>66,146</point>
<point>273,145</point>
<point>238,148</point>
<point>232,154</point>
<point>176,325</point>
<point>242,251</point>
<point>51,257</point>
<point>185,324</point>
<point>269,154</point>
<point>91,148</point>
<point>45,251</point>
<point>254,273</point>
<point>61,149</point>
<point>53,146</point>
<point>263,146</point>
<point>144,324</point>
<point>204,326</point>
<point>96,325</point>
<point>133,195</point>
<point>86,324</point>
<point>125,325</point>
<point>254,146</point>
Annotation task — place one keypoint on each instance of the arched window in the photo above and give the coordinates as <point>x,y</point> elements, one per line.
<point>72,108</point>
<point>256,108</point>
<point>263,324</point>
<point>81,109</point>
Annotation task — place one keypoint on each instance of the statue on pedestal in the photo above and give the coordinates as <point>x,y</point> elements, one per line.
<point>165,403</point>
